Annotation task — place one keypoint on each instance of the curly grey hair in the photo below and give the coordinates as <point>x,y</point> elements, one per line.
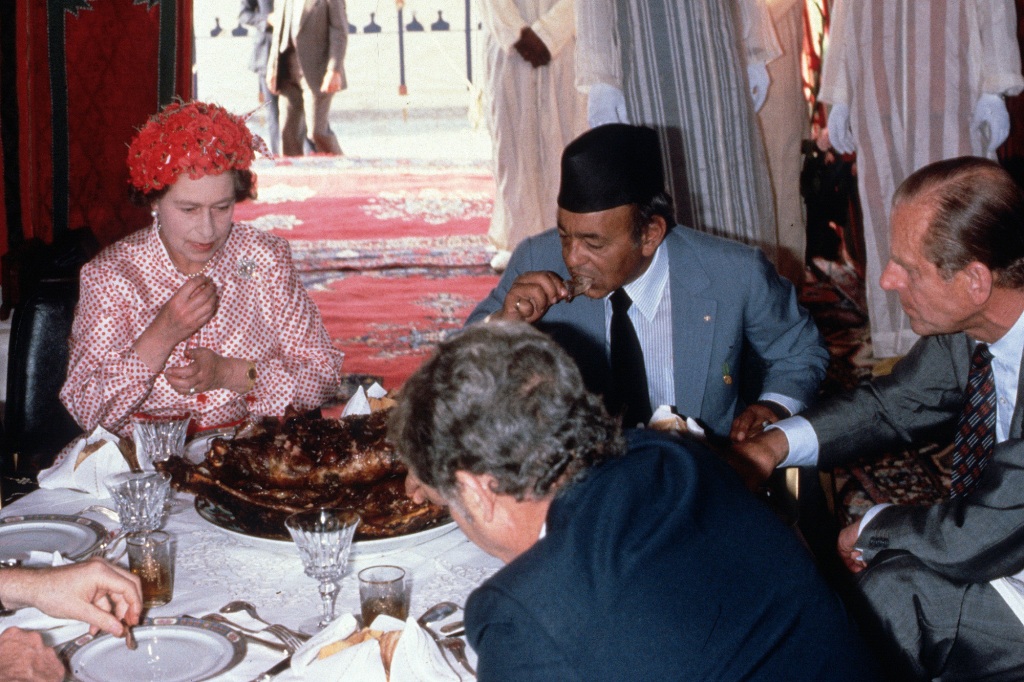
<point>502,399</point>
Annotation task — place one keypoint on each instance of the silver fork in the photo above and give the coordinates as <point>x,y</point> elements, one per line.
<point>284,634</point>
<point>250,634</point>
<point>458,649</point>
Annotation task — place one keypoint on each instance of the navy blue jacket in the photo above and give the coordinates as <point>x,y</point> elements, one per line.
<point>661,566</point>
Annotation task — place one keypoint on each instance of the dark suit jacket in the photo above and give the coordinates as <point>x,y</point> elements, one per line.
<point>976,539</point>
<point>730,312</point>
<point>661,566</point>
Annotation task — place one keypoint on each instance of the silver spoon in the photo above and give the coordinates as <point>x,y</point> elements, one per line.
<point>240,605</point>
<point>438,611</point>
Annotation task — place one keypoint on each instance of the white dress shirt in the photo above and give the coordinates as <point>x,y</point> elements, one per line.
<point>651,315</point>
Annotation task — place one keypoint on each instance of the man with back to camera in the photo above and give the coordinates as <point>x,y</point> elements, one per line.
<point>639,558</point>
<point>699,309</point>
<point>939,581</point>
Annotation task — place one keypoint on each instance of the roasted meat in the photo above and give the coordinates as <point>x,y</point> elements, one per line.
<point>301,462</point>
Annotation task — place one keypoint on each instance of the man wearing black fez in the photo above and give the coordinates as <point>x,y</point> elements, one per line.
<point>671,316</point>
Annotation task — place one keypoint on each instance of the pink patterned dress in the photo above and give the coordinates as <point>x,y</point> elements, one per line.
<point>264,315</point>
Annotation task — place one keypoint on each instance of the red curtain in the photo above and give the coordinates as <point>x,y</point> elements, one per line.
<point>89,73</point>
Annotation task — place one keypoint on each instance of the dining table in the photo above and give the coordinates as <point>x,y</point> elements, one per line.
<point>214,566</point>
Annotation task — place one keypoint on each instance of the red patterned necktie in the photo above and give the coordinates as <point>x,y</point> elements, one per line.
<point>976,428</point>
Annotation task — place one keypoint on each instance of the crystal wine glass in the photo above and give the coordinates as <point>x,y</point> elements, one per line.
<point>324,538</point>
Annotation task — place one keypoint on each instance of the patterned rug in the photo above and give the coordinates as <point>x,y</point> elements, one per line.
<point>915,476</point>
<point>395,255</point>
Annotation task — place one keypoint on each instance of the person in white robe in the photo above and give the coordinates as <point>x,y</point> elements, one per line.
<point>786,122</point>
<point>696,72</point>
<point>533,111</point>
<point>910,83</point>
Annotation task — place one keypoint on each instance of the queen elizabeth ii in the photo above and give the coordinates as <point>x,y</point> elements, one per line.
<point>195,312</point>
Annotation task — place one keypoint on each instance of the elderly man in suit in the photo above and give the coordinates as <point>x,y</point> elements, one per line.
<point>706,325</point>
<point>638,559</point>
<point>306,67</point>
<point>943,582</point>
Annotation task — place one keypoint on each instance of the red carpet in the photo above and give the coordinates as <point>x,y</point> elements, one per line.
<point>394,256</point>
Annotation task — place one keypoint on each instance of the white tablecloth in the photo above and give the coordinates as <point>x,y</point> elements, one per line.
<point>214,566</point>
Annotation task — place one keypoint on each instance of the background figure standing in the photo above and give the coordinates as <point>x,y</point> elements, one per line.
<point>679,68</point>
<point>306,67</point>
<point>533,111</point>
<point>785,118</point>
<point>912,83</point>
<point>254,13</point>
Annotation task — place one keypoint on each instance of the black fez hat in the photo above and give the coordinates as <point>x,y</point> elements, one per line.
<point>611,165</point>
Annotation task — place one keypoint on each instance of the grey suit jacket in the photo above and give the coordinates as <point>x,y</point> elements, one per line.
<point>320,44</point>
<point>730,311</point>
<point>976,539</point>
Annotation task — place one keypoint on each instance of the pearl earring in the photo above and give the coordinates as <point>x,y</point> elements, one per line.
<point>156,219</point>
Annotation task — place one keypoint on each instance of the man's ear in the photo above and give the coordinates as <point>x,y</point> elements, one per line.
<point>979,281</point>
<point>477,496</point>
<point>653,235</point>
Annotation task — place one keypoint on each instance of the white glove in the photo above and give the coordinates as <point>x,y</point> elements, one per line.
<point>839,131</point>
<point>757,74</point>
<point>605,104</point>
<point>991,110</point>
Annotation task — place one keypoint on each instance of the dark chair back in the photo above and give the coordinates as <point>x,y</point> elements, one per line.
<point>36,423</point>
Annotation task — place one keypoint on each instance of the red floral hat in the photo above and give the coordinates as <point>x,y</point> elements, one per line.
<point>195,138</point>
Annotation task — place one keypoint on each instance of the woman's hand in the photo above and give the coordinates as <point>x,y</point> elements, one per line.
<point>207,371</point>
<point>189,308</point>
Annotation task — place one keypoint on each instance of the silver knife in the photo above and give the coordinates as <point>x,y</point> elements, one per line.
<point>277,669</point>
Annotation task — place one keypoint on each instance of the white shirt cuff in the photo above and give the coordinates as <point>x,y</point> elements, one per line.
<point>794,406</point>
<point>870,514</point>
<point>803,442</point>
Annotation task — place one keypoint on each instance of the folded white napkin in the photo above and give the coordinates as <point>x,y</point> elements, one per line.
<point>417,658</point>
<point>37,558</point>
<point>79,468</point>
<point>359,403</point>
<point>664,419</point>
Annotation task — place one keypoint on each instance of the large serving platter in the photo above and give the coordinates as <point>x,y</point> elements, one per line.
<point>226,521</point>
<point>181,649</point>
<point>75,537</point>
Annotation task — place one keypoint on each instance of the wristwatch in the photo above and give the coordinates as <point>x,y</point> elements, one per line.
<point>251,374</point>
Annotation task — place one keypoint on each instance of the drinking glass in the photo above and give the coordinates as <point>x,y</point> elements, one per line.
<point>324,538</point>
<point>140,498</point>
<point>382,590</point>
<point>149,557</point>
<point>160,434</point>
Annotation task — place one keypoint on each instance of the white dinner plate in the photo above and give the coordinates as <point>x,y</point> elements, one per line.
<point>179,649</point>
<point>75,537</point>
